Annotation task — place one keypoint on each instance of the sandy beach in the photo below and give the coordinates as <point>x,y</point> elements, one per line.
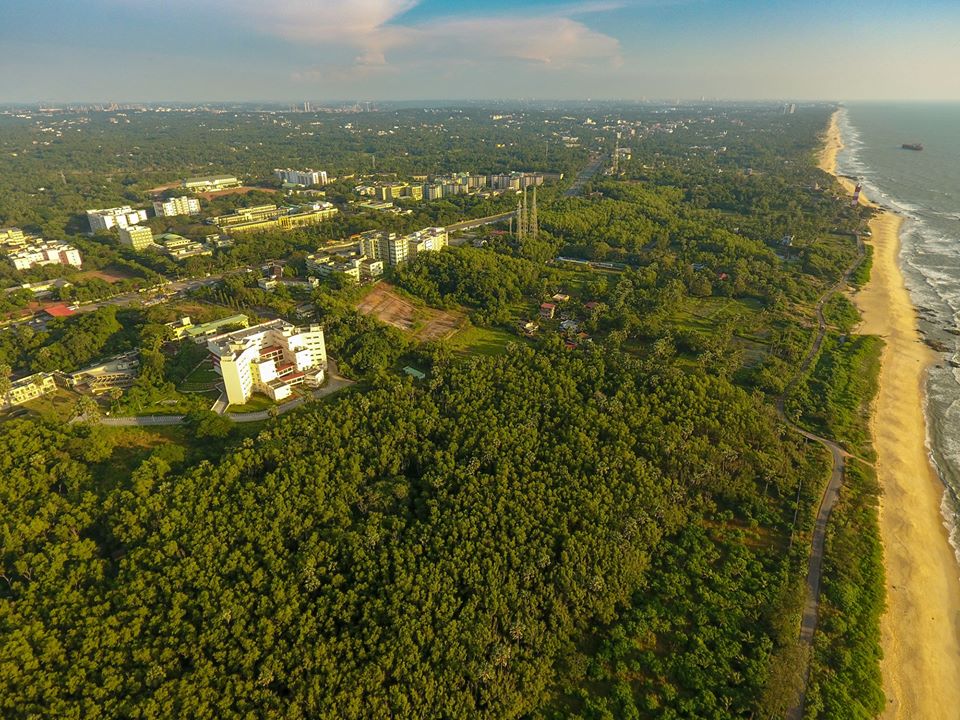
<point>921,627</point>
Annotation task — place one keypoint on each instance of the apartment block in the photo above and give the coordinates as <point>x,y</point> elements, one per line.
<point>183,205</point>
<point>306,178</point>
<point>394,249</point>
<point>120,217</point>
<point>45,254</point>
<point>270,358</point>
<point>210,183</point>
<point>136,237</point>
<point>515,180</point>
<point>29,388</point>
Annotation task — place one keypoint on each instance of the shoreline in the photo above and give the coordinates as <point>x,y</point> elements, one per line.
<point>920,629</point>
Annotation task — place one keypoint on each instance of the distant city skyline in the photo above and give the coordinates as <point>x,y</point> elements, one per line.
<point>287,50</point>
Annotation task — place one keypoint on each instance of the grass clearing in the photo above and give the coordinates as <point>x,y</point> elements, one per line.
<point>256,403</point>
<point>482,341</point>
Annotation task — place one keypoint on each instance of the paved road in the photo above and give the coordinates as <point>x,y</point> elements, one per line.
<point>592,168</point>
<point>477,222</point>
<point>831,493</point>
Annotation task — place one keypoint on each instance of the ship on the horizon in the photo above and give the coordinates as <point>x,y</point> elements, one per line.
<point>912,146</point>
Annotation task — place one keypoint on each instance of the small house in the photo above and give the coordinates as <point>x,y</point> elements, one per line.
<point>547,310</point>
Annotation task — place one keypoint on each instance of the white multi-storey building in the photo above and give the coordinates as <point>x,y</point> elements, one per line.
<point>302,177</point>
<point>270,358</point>
<point>45,254</point>
<point>120,217</point>
<point>394,249</point>
<point>183,205</point>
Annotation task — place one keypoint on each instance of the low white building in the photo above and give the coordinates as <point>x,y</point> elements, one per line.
<point>183,205</point>
<point>46,254</point>
<point>270,358</point>
<point>28,388</point>
<point>120,217</point>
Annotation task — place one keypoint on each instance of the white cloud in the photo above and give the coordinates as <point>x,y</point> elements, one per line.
<point>370,34</point>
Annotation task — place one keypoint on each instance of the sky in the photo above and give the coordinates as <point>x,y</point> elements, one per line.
<point>319,50</point>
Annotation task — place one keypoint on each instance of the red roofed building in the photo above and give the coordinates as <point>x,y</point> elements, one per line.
<point>59,311</point>
<point>547,310</point>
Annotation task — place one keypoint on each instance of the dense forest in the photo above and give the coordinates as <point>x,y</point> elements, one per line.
<point>409,553</point>
<point>602,520</point>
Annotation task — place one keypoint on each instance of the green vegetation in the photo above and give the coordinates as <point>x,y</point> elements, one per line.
<point>862,273</point>
<point>475,341</point>
<point>845,676</point>
<point>373,502</point>
<point>482,280</point>
<point>605,519</point>
<point>840,313</point>
<point>835,399</point>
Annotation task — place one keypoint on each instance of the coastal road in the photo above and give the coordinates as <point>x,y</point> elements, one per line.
<point>831,493</point>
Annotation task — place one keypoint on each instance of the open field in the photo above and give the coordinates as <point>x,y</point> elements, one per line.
<point>160,188</point>
<point>110,275</point>
<point>422,322</point>
<point>482,341</point>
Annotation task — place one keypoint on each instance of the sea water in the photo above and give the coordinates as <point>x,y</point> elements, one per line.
<point>924,187</point>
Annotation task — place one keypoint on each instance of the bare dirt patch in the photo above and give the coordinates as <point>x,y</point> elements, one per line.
<point>424,323</point>
<point>110,275</point>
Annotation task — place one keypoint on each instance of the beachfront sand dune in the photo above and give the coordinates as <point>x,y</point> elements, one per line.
<point>921,627</point>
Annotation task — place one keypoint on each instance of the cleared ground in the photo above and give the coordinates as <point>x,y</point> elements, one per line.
<point>422,322</point>
<point>108,274</point>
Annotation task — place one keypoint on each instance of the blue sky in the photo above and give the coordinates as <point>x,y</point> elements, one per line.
<point>418,49</point>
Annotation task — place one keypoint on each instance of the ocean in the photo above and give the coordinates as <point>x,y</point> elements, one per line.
<point>924,187</point>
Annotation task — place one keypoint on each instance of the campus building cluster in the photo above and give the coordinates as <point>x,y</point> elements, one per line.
<point>27,251</point>
<point>271,358</point>
<point>119,371</point>
<point>441,186</point>
<point>354,264</point>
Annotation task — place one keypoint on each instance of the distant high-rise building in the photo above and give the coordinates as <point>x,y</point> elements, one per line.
<point>184,205</point>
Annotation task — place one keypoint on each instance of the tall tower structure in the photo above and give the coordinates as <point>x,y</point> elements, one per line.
<point>521,216</point>
<point>534,225</point>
